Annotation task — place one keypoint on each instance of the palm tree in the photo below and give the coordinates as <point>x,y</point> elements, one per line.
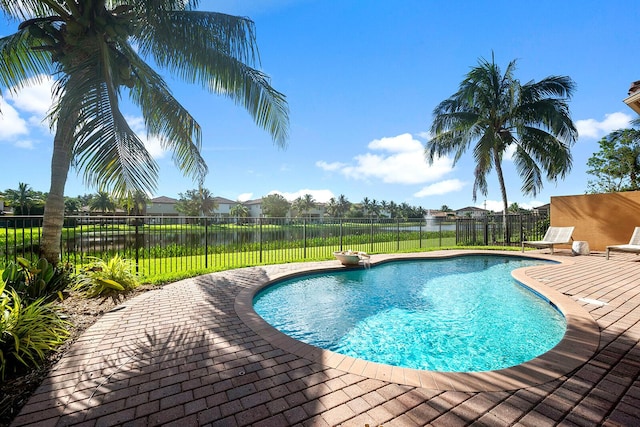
<point>496,113</point>
<point>102,202</point>
<point>207,202</point>
<point>304,204</point>
<point>239,211</point>
<point>95,49</point>
<point>23,196</point>
<point>135,202</point>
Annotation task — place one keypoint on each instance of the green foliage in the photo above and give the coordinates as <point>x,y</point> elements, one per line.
<point>107,278</point>
<point>616,167</point>
<point>28,330</point>
<point>198,202</point>
<point>275,205</point>
<point>35,280</point>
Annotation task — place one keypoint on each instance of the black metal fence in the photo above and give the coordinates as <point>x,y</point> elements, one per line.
<point>168,244</point>
<point>490,229</point>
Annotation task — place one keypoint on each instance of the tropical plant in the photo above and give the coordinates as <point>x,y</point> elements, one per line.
<point>499,115</point>
<point>135,202</point>
<point>106,279</point>
<point>102,202</point>
<point>95,50</point>
<point>28,331</point>
<point>198,202</point>
<point>71,204</point>
<point>616,166</point>
<point>24,197</point>
<point>338,207</point>
<point>239,211</point>
<point>304,204</point>
<point>275,205</point>
<point>36,280</point>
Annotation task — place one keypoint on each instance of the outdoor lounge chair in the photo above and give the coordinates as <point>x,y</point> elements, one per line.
<point>553,236</point>
<point>633,246</point>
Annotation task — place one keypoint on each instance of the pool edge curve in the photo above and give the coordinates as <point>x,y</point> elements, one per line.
<point>579,343</point>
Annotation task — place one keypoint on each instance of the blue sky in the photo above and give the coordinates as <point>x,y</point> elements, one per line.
<point>362,79</point>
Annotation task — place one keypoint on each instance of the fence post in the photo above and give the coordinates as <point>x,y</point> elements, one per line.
<point>420,235</point>
<point>398,236</point>
<point>340,235</point>
<point>136,243</point>
<point>304,238</point>
<point>260,239</point>
<point>371,234</point>
<point>486,230</point>
<point>206,243</point>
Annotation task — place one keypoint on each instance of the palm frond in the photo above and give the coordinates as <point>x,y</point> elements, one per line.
<point>212,52</point>
<point>166,119</point>
<point>20,63</point>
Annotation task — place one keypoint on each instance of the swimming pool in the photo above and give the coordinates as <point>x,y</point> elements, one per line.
<point>462,314</point>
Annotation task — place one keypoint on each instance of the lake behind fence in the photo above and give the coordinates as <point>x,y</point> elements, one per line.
<point>167,244</point>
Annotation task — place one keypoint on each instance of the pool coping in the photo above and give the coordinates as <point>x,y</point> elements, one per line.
<point>580,342</point>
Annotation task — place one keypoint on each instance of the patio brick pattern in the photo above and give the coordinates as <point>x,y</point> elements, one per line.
<point>182,355</point>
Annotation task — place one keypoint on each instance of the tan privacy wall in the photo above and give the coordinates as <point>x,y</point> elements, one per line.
<point>600,219</point>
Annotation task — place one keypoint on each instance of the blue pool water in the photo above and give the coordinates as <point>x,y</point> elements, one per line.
<point>462,314</point>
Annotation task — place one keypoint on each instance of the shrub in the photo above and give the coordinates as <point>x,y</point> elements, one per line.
<point>107,278</point>
<point>36,280</point>
<point>28,331</point>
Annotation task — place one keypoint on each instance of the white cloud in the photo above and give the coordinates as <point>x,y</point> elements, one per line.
<point>35,97</point>
<point>402,161</point>
<point>152,144</point>
<point>330,166</point>
<point>244,197</point>
<point>24,143</point>
<point>440,188</point>
<point>321,196</point>
<point>591,128</point>
<point>11,124</point>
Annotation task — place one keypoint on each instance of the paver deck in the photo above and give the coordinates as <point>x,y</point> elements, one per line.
<point>193,353</point>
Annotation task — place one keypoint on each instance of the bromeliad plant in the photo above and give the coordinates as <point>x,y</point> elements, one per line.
<point>28,330</point>
<point>35,280</point>
<point>110,278</point>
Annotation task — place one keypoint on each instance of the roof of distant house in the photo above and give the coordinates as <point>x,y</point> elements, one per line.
<point>223,200</point>
<point>164,199</point>
<point>472,208</point>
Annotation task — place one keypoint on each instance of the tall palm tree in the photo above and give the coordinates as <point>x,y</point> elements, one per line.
<point>102,202</point>
<point>95,49</point>
<point>207,201</point>
<point>496,113</point>
<point>135,202</point>
<point>22,196</point>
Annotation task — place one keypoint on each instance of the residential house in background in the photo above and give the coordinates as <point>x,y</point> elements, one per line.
<point>223,207</point>
<point>471,212</point>
<point>633,100</point>
<point>162,206</point>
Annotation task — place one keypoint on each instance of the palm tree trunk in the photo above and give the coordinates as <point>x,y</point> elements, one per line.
<point>503,191</point>
<point>53,219</point>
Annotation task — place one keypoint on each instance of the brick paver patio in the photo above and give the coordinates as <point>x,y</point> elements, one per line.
<point>193,353</point>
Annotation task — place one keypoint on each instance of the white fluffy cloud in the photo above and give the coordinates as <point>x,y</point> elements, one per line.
<point>440,188</point>
<point>244,197</point>
<point>397,160</point>
<point>591,128</point>
<point>11,124</point>
<point>34,98</point>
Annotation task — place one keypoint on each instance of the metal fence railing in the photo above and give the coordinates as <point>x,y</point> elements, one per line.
<point>168,244</point>
<point>490,229</point>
